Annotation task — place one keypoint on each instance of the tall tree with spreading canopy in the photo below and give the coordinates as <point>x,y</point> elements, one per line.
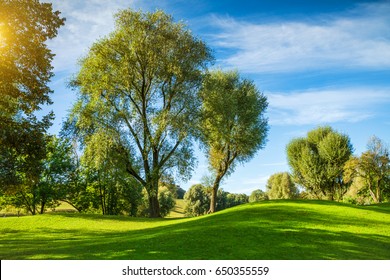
<point>138,87</point>
<point>317,162</point>
<point>233,126</point>
<point>25,70</point>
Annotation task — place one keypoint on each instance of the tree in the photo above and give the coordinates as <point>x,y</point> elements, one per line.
<point>317,162</point>
<point>281,186</point>
<point>57,170</point>
<point>373,167</point>
<point>233,125</point>
<point>258,195</point>
<point>166,200</point>
<point>138,86</point>
<point>46,182</point>
<point>25,70</point>
<point>234,199</point>
<point>197,200</point>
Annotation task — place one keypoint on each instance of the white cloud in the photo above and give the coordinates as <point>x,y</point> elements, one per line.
<point>325,106</point>
<point>357,40</point>
<point>86,21</point>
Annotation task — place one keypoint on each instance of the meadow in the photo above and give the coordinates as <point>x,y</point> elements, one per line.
<point>268,230</point>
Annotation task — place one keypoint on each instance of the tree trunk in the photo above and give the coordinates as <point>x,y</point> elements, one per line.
<point>378,191</point>
<point>154,205</point>
<point>43,203</point>
<point>213,200</point>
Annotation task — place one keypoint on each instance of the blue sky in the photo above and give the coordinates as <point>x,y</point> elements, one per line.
<point>318,63</point>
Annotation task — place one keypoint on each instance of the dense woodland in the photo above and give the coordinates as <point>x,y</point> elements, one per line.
<point>146,96</point>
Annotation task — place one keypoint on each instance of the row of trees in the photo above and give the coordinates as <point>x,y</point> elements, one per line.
<point>145,96</point>
<point>198,198</point>
<point>324,165</point>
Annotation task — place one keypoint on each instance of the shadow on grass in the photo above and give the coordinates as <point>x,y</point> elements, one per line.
<point>273,231</point>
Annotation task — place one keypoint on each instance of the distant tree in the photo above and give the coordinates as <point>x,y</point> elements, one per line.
<point>373,166</point>
<point>25,70</point>
<point>138,86</point>
<point>233,124</point>
<point>197,200</point>
<point>234,199</point>
<point>166,200</point>
<point>169,183</point>
<point>281,186</point>
<point>180,192</point>
<point>258,195</point>
<point>317,162</point>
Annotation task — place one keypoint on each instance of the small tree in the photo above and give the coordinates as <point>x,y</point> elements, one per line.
<point>281,186</point>
<point>258,195</point>
<point>197,200</point>
<point>233,124</point>
<point>166,200</point>
<point>373,167</point>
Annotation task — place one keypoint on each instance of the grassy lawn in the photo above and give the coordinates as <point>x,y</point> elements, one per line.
<point>268,230</point>
<point>178,211</point>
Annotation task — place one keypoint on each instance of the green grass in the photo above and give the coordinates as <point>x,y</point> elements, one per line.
<point>268,230</point>
<point>178,211</point>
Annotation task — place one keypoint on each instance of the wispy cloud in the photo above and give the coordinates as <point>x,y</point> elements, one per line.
<point>359,39</point>
<point>86,21</point>
<point>325,106</point>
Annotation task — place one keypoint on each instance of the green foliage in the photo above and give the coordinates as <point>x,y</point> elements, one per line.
<point>226,200</point>
<point>372,169</point>
<point>197,200</point>
<point>281,186</point>
<point>166,201</point>
<point>25,60</point>
<point>52,175</point>
<point>233,126</point>
<point>138,89</point>
<point>258,195</point>
<point>317,162</point>
<point>25,70</point>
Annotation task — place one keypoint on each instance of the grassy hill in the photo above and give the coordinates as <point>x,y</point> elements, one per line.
<point>268,230</point>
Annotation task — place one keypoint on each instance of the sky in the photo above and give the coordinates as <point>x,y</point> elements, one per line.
<point>317,62</point>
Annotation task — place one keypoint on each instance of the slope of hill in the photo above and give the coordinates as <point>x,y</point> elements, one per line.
<point>268,230</point>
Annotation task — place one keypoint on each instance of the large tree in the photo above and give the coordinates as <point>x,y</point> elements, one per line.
<point>233,126</point>
<point>317,162</point>
<point>25,70</point>
<point>138,87</point>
